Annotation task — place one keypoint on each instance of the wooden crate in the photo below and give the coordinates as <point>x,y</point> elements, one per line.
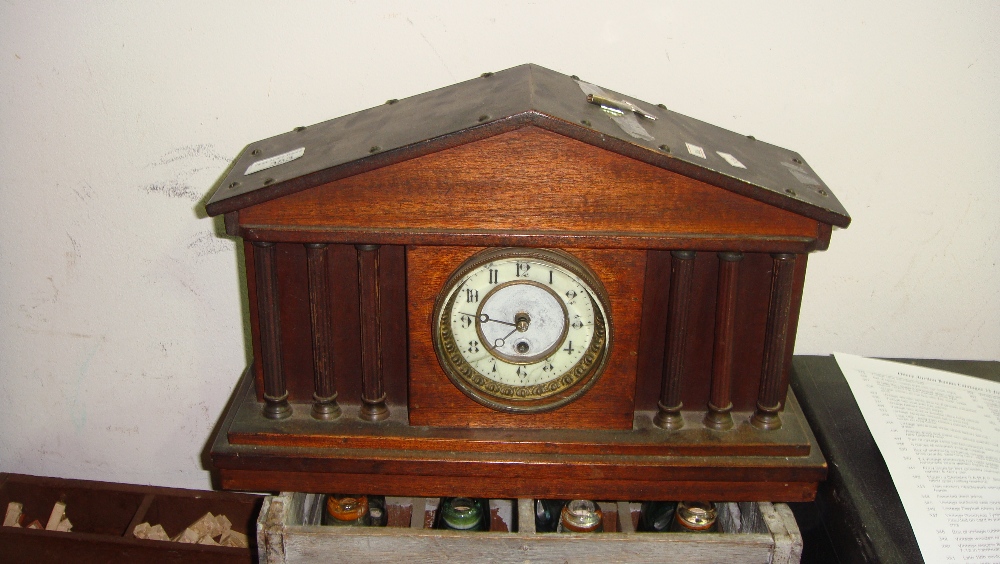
<point>288,532</point>
<point>104,514</point>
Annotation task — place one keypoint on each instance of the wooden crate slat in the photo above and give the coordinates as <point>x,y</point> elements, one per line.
<point>288,541</point>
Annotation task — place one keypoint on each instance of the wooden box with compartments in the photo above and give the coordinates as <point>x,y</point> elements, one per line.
<point>101,518</point>
<point>289,532</point>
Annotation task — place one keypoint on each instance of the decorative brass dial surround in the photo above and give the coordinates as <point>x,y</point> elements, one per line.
<point>523,330</point>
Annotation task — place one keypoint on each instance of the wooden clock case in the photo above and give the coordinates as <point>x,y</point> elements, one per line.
<point>351,228</point>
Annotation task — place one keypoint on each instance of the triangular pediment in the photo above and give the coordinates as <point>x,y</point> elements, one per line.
<point>498,104</point>
<point>527,182</point>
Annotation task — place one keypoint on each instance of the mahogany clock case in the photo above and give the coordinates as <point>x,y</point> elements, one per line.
<point>349,243</point>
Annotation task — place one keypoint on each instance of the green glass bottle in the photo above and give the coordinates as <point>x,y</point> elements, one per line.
<point>547,514</point>
<point>656,516</point>
<point>461,514</point>
<point>377,516</point>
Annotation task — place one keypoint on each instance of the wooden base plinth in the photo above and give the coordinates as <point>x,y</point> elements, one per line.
<point>303,454</point>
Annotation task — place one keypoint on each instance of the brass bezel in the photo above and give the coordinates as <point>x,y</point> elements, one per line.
<point>559,391</point>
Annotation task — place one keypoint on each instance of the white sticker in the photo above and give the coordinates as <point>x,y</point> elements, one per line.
<point>696,151</point>
<point>276,160</point>
<point>631,125</point>
<point>801,174</point>
<point>731,159</point>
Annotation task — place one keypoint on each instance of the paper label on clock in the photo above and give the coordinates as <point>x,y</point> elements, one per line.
<point>801,174</point>
<point>696,151</point>
<point>274,161</point>
<point>731,159</point>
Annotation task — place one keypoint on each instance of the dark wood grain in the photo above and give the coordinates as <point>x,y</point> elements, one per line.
<point>694,386</point>
<point>394,347</point>
<point>823,240</point>
<point>705,349</point>
<point>776,342</point>
<point>609,487</point>
<point>103,515</point>
<point>542,467</point>
<point>395,433</point>
<point>653,330</point>
<point>752,298</point>
<point>538,239</point>
<point>275,393</point>
<point>753,291</point>
<point>346,322</point>
<point>321,320</point>
<point>400,454</point>
<point>372,388</point>
<point>798,286</point>
<point>697,380</point>
<point>720,402</point>
<point>297,335</point>
<point>678,310</point>
<point>296,323</point>
<point>447,192</point>
<point>649,442</point>
<point>231,222</point>
<point>435,401</point>
<point>254,315</point>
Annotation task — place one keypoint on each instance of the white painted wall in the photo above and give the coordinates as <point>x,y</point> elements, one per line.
<point>121,326</point>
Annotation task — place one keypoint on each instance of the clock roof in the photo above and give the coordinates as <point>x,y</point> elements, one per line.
<point>499,102</point>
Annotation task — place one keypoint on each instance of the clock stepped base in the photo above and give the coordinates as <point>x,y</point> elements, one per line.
<point>391,457</point>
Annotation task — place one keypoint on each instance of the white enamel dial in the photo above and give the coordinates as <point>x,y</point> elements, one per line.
<point>522,330</point>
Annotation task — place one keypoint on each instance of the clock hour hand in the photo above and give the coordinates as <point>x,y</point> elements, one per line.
<point>483,318</point>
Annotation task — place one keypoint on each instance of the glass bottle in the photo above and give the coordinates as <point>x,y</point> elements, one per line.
<point>349,510</point>
<point>377,516</point>
<point>547,514</point>
<point>580,516</point>
<point>656,516</point>
<point>695,517</point>
<point>461,514</point>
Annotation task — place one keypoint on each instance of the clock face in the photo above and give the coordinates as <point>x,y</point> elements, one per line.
<point>522,330</point>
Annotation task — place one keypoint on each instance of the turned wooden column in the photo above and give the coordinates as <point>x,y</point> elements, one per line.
<point>772,378</point>
<point>269,319</point>
<point>373,406</point>
<point>720,401</point>
<point>681,274</point>
<point>325,405</point>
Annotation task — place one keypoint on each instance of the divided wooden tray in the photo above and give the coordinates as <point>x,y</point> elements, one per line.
<point>104,514</point>
<point>288,532</point>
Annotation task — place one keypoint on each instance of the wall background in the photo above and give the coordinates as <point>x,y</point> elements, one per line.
<point>121,324</point>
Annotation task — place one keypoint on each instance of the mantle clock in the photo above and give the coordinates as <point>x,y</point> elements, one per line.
<point>522,285</point>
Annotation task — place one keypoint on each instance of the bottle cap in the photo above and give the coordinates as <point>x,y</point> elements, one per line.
<point>696,515</point>
<point>581,516</point>
<point>347,507</point>
<point>461,513</point>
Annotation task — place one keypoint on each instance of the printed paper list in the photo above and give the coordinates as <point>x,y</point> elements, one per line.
<point>939,433</point>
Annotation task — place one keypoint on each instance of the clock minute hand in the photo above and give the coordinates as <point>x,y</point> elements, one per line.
<point>500,342</point>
